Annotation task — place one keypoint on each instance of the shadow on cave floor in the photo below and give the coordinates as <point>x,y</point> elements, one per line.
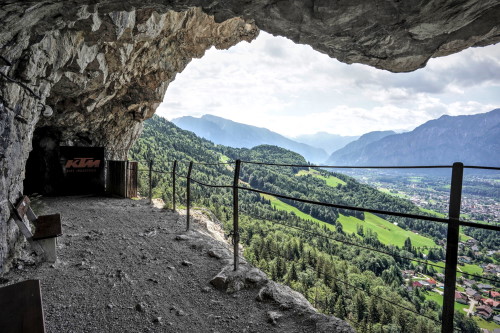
<point>120,269</point>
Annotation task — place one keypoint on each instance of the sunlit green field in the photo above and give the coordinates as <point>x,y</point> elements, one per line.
<point>387,191</point>
<point>388,233</point>
<point>415,179</point>
<point>224,158</point>
<point>463,237</point>
<point>432,212</point>
<point>330,180</point>
<point>471,269</point>
<point>280,205</point>
<point>432,296</point>
<point>489,325</point>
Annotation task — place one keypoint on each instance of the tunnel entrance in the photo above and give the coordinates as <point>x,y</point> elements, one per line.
<point>43,171</point>
<point>53,169</point>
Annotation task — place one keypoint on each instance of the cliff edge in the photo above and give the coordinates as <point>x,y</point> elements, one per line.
<point>124,265</point>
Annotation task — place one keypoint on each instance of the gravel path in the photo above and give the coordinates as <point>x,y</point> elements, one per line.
<point>120,269</point>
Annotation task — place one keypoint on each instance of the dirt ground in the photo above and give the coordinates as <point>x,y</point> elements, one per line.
<point>121,269</point>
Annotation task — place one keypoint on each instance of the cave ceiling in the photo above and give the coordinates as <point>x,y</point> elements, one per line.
<point>395,35</point>
<point>89,72</point>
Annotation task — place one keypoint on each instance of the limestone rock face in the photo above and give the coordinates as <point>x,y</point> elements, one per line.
<point>102,67</point>
<point>398,36</point>
<point>102,71</point>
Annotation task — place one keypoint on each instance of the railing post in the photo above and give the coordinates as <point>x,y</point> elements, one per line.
<point>150,181</point>
<point>127,176</point>
<point>188,195</point>
<point>174,170</point>
<point>450,273</point>
<point>236,228</point>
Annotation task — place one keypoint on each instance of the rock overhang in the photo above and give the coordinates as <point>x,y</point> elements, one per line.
<point>102,72</point>
<point>104,66</point>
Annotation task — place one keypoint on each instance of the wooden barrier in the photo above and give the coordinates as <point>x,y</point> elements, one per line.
<point>122,178</point>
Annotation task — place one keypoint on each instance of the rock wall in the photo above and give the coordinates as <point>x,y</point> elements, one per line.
<point>399,36</point>
<point>104,66</point>
<point>102,72</point>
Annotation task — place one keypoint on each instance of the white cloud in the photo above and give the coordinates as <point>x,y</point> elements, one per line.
<point>292,89</point>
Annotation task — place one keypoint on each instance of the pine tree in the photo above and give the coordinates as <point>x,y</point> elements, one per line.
<point>408,246</point>
<point>293,272</point>
<point>340,311</point>
<point>280,268</point>
<point>373,313</point>
<point>358,306</point>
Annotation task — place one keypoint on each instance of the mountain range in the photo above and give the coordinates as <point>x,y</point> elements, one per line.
<point>290,240</point>
<point>229,133</point>
<point>471,139</point>
<point>357,147</point>
<point>327,141</point>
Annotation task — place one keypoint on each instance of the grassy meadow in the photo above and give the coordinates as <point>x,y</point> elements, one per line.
<point>331,181</point>
<point>388,233</point>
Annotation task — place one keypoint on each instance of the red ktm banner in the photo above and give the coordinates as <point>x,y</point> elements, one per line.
<point>83,170</point>
<point>83,162</point>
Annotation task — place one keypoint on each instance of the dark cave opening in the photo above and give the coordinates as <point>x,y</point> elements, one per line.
<point>55,169</point>
<point>44,174</point>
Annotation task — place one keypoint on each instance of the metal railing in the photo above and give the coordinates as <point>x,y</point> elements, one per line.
<point>453,221</point>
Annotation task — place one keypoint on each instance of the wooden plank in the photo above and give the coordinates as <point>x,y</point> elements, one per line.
<point>132,179</point>
<point>21,309</point>
<point>31,214</point>
<point>123,183</point>
<point>114,177</point>
<point>23,206</point>
<point>47,226</point>
<point>119,178</point>
<point>19,219</point>
<point>24,229</point>
<point>123,180</point>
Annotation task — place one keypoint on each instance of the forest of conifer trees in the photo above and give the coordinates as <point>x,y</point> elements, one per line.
<point>333,269</point>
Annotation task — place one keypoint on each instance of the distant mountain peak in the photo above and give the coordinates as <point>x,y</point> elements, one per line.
<point>471,139</point>
<point>327,141</point>
<point>230,133</point>
<point>376,134</point>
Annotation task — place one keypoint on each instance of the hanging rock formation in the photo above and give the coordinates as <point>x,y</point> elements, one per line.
<point>103,67</point>
<point>101,71</point>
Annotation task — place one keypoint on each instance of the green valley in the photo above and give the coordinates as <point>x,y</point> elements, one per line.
<point>387,232</point>
<point>280,205</point>
<point>329,180</point>
<point>291,241</point>
<point>432,212</point>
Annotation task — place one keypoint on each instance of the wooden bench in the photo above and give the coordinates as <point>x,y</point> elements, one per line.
<point>47,228</point>
<point>21,308</point>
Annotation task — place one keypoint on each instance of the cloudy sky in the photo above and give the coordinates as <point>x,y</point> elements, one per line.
<point>293,90</point>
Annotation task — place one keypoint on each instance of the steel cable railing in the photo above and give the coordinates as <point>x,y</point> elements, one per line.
<point>480,277</point>
<point>205,163</point>
<point>348,167</point>
<point>362,209</point>
<point>453,221</point>
<point>369,293</point>
<point>359,209</point>
<point>343,241</point>
<point>211,185</point>
<point>375,211</point>
<point>367,248</point>
<point>481,167</point>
